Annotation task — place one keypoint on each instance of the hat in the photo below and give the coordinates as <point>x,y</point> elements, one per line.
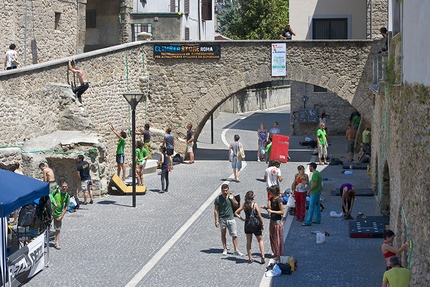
<point>314,165</point>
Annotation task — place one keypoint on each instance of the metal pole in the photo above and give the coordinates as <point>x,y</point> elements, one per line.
<point>133,152</point>
<point>212,128</point>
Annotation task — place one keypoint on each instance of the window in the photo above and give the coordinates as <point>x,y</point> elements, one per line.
<point>330,28</point>
<point>187,33</point>
<point>172,6</point>
<point>137,28</point>
<point>187,7</point>
<point>91,18</point>
<point>318,89</point>
<point>206,10</point>
<point>57,20</point>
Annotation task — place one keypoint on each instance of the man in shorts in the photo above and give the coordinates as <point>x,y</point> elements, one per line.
<point>85,178</point>
<point>350,141</point>
<point>48,176</point>
<point>60,201</point>
<point>169,143</point>
<point>224,218</point>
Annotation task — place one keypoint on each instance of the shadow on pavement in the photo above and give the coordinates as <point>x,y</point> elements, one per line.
<point>106,202</point>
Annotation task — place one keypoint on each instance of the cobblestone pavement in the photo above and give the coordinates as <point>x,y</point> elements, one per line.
<point>170,239</point>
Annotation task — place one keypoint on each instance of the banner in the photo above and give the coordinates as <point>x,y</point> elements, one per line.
<point>279,60</point>
<point>27,261</point>
<point>201,51</point>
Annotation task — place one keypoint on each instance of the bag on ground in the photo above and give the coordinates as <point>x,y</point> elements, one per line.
<point>291,202</point>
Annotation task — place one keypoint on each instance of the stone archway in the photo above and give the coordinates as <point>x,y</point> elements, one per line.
<point>384,201</point>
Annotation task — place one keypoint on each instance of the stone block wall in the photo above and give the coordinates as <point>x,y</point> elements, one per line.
<point>257,99</point>
<point>400,159</point>
<point>32,27</point>
<point>337,109</point>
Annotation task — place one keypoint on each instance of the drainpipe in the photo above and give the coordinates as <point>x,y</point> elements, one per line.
<point>371,20</point>
<point>25,34</point>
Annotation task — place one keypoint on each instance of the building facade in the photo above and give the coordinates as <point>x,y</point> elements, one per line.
<point>401,136</point>
<point>329,19</point>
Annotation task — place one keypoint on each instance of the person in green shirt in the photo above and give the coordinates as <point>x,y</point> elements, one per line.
<point>141,157</point>
<point>120,151</point>
<point>397,276</point>
<point>60,200</point>
<point>314,192</point>
<point>322,143</point>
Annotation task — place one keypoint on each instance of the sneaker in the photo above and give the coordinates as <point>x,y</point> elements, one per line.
<point>258,159</point>
<point>238,253</point>
<point>224,252</point>
<point>162,191</point>
<point>91,202</point>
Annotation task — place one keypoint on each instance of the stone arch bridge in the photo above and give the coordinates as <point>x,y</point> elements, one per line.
<point>37,100</point>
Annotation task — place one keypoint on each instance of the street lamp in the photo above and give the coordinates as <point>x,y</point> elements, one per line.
<point>133,98</point>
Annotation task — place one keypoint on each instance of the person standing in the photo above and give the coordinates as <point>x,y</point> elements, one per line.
<point>315,193</point>
<point>347,193</point>
<point>272,176</point>
<point>224,218</point>
<point>387,247</point>
<point>236,163</point>
<point>322,144</point>
<point>190,140</point>
<point>356,121</point>
<point>366,143</point>
<point>84,176</point>
<point>288,33</point>
<point>146,139</point>
<point>301,180</point>
<point>120,152</point>
<point>397,276</point>
<point>276,230</point>
<point>169,143</point>
<point>11,58</point>
<point>48,176</point>
<point>262,139</point>
<point>249,206</point>
<point>83,79</point>
<point>164,162</point>
<point>274,130</point>
<point>350,140</point>
<point>141,157</point>
<point>60,201</point>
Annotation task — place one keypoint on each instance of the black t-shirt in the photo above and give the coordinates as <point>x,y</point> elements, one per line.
<point>84,170</point>
<point>287,34</point>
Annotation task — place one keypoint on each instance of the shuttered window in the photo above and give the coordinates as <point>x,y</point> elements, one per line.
<point>186,7</point>
<point>172,6</point>
<point>206,10</point>
<point>90,18</point>
<point>187,33</point>
<point>329,28</point>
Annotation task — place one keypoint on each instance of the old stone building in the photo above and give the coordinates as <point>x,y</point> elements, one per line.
<point>401,135</point>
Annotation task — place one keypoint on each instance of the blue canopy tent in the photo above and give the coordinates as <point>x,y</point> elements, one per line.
<point>15,191</point>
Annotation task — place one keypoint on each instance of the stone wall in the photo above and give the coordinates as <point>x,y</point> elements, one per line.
<point>337,109</point>
<point>32,27</point>
<point>178,91</point>
<point>257,99</point>
<point>400,160</point>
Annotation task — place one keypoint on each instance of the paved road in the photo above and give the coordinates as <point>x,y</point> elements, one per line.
<point>170,239</point>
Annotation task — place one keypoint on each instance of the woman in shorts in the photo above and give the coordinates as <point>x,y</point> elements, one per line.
<point>247,207</point>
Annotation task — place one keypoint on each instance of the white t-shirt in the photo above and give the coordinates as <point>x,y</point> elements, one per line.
<point>9,56</point>
<point>272,173</point>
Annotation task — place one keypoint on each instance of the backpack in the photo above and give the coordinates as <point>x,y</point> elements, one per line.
<point>237,197</point>
<point>285,268</point>
<point>27,215</point>
<point>252,223</point>
<point>44,212</point>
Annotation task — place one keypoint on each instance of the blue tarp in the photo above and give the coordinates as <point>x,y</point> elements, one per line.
<point>17,190</point>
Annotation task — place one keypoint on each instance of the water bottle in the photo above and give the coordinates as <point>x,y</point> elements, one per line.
<point>331,156</point>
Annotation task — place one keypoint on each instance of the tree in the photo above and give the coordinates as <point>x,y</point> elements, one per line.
<point>253,19</point>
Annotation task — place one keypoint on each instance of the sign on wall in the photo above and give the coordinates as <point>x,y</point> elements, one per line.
<point>187,51</point>
<point>279,59</point>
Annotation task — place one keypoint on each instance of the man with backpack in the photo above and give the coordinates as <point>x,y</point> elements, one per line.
<point>60,200</point>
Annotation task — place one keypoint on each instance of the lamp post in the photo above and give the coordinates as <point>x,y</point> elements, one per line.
<point>133,98</point>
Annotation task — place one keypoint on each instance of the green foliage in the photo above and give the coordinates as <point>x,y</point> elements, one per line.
<point>253,19</point>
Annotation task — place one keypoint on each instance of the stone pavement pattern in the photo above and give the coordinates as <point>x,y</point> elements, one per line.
<point>109,242</point>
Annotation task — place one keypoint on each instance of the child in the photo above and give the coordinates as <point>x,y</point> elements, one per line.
<point>120,151</point>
